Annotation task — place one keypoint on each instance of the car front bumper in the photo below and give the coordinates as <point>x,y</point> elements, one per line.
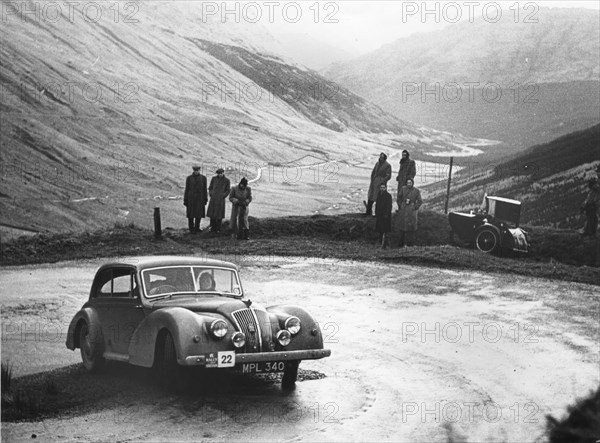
<point>311,354</point>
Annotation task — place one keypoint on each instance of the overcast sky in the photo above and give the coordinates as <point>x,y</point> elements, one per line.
<point>363,26</point>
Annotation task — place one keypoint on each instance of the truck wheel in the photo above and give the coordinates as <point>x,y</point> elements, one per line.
<point>290,375</point>
<point>487,240</point>
<point>90,352</point>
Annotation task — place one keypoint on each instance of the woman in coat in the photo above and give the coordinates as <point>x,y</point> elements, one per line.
<point>408,169</point>
<point>409,202</point>
<point>381,174</point>
<point>218,190</point>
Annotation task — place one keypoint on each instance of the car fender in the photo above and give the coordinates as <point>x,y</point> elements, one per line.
<point>182,324</point>
<point>89,316</point>
<point>489,225</point>
<point>309,337</point>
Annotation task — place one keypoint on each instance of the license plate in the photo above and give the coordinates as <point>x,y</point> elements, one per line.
<point>223,359</point>
<point>263,367</point>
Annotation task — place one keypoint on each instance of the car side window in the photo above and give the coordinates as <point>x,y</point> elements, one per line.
<point>118,283</point>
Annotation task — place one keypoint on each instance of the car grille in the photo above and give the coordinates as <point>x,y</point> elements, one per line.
<point>247,323</point>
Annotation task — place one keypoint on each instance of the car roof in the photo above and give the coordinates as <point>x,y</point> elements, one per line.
<point>145,262</point>
<point>505,200</point>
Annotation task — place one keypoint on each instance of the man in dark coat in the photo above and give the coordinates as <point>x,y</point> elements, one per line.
<point>195,198</point>
<point>408,170</point>
<point>383,214</point>
<point>409,201</point>
<point>240,197</point>
<point>218,190</point>
<point>381,174</point>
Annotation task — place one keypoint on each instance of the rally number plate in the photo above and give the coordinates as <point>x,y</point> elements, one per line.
<point>223,359</point>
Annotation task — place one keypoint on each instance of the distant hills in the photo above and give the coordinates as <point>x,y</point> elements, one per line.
<point>103,116</point>
<point>550,180</point>
<point>521,83</point>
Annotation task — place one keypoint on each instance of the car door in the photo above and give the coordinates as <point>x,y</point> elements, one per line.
<point>119,309</point>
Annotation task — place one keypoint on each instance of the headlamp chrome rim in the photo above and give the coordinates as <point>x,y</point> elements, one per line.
<point>284,337</point>
<point>293,325</point>
<point>238,339</point>
<point>218,328</point>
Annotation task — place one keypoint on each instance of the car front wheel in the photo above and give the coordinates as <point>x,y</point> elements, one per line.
<point>172,374</point>
<point>487,240</point>
<point>90,353</point>
<point>290,374</point>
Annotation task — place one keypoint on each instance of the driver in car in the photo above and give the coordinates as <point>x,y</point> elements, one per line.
<point>206,282</point>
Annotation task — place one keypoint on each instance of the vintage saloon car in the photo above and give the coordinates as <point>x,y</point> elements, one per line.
<point>494,227</point>
<point>175,312</point>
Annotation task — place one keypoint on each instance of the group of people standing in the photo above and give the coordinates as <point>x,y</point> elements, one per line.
<point>408,199</point>
<point>196,197</point>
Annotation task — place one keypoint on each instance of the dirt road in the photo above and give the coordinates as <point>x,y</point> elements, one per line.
<point>418,354</point>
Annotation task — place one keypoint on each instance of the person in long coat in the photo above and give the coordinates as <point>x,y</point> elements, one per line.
<point>590,208</point>
<point>409,201</point>
<point>240,197</point>
<point>408,169</point>
<point>383,214</point>
<point>381,174</point>
<point>219,189</point>
<point>195,198</point>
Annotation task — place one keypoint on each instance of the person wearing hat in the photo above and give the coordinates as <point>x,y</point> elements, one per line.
<point>408,170</point>
<point>380,175</point>
<point>195,198</point>
<point>219,189</point>
<point>590,208</point>
<point>240,197</point>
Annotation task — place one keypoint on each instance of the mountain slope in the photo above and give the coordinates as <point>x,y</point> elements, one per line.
<point>549,179</point>
<point>521,83</point>
<point>102,119</point>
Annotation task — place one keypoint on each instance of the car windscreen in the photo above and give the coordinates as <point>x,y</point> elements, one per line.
<point>190,279</point>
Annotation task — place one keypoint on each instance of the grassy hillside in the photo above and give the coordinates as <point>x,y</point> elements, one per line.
<point>102,120</point>
<point>549,179</point>
<point>316,98</point>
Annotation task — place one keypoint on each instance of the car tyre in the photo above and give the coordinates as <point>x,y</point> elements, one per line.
<point>171,373</point>
<point>91,355</point>
<point>290,375</point>
<point>487,240</point>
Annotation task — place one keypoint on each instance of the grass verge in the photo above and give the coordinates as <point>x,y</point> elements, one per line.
<point>555,254</point>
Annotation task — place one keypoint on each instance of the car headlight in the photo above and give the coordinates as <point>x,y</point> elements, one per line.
<point>292,324</point>
<point>238,339</point>
<point>284,338</point>
<point>218,328</point>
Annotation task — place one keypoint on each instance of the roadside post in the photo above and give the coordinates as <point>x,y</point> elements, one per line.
<point>157,228</point>
<point>448,188</point>
<point>451,232</point>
